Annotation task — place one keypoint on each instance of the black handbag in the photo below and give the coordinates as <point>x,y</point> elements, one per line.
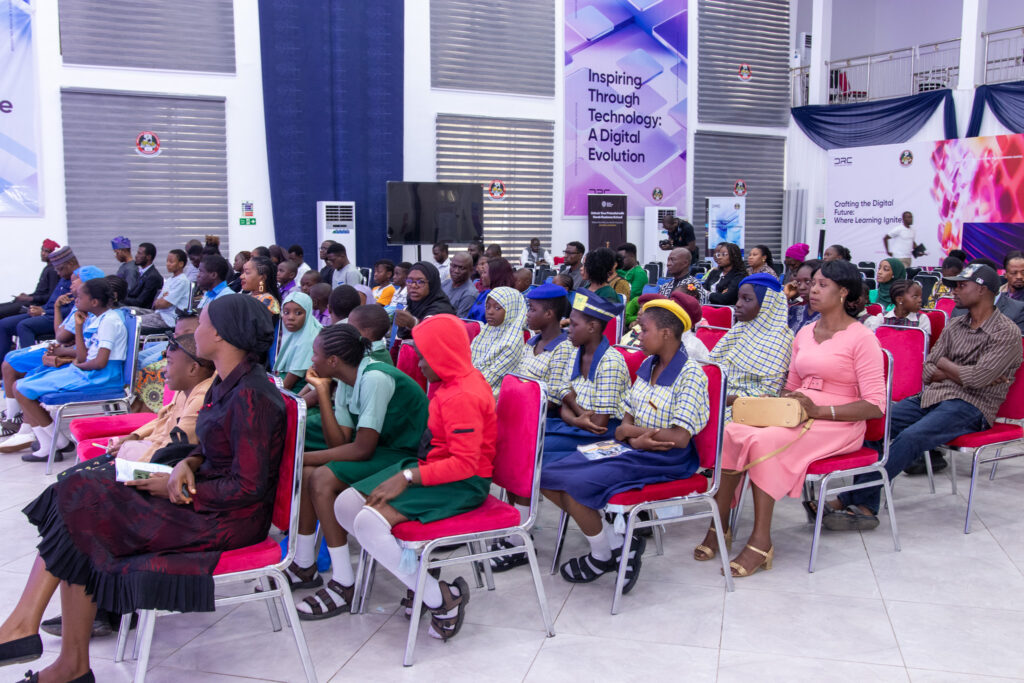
<point>177,450</point>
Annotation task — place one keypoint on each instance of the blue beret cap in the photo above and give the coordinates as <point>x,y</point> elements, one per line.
<point>547,291</point>
<point>595,306</point>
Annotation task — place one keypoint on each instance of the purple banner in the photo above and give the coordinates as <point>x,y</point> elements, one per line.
<point>625,102</point>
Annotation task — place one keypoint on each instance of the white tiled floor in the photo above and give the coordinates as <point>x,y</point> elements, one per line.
<point>949,607</point>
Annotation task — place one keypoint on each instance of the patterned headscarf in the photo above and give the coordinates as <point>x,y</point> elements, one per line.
<point>296,354</point>
<point>755,354</point>
<point>501,346</point>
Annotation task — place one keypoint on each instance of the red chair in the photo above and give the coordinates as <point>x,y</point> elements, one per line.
<point>521,411</point>
<point>396,345</point>
<point>875,309</point>
<point>86,430</point>
<point>261,561</point>
<point>613,330</point>
<point>409,363</point>
<point>909,347</point>
<point>938,320</point>
<point>946,305</point>
<point>1002,435</point>
<point>634,359</point>
<point>717,316</point>
<point>710,335</point>
<point>472,328</point>
<point>695,489</point>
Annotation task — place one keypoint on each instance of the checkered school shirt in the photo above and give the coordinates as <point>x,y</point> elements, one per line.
<point>551,366</point>
<point>604,390</point>
<point>679,397</point>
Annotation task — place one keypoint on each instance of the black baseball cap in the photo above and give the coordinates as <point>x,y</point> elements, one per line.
<point>980,273</point>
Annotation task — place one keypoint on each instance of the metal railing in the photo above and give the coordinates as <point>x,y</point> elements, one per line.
<point>1004,55</point>
<point>896,73</point>
<point>799,84</point>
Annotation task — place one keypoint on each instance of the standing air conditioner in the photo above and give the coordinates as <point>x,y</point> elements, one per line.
<point>337,221</point>
<point>654,232</point>
<point>803,49</point>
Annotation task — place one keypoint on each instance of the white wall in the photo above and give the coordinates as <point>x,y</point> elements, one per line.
<point>861,27</point>
<point>248,178</point>
<point>1004,14</point>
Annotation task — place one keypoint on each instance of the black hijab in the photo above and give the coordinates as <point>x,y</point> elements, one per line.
<point>242,321</point>
<point>436,301</point>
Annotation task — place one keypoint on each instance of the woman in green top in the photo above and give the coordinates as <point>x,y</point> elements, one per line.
<point>598,268</point>
<point>379,417</point>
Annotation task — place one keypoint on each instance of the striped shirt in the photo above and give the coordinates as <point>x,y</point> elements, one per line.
<point>987,358</point>
<point>678,398</point>
<point>604,388</point>
<point>551,366</point>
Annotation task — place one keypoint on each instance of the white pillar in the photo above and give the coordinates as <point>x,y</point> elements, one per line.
<point>972,45</point>
<point>821,48</point>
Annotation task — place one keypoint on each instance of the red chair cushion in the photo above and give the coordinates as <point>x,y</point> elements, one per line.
<point>492,515</point>
<point>698,483</point>
<point>263,554</point>
<point>86,451</point>
<point>1000,432</point>
<point>847,461</point>
<point>83,428</point>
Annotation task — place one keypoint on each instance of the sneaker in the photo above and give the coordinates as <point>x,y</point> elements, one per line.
<point>17,442</point>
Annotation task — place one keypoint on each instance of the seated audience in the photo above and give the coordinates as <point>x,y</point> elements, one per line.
<point>497,350</point>
<point>343,272</point>
<point>759,260</point>
<point>548,354</point>
<point>1014,266</point>
<point>149,281</point>
<point>195,255</point>
<point>379,417</point>
<point>159,539</point>
<point>839,384</point>
<point>401,297</point>
<point>798,291</point>
<point>259,280</point>
<point>210,280</point>
<point>493,251</point>
<point>262,252</point>
<point>441,260</point>
<point>341,302</point>
<point>308,279</point>
<point>573,264</point>
<point>836,252</point>
<point>889,270</point>
<point>212,246</point>
<point>459,287</point>
<point>755,352</point>
<point>522,279</point>
<point>373,323</point>
<point>48,279</point>
<point>592,391</point>
<point>150,379</point>
<point>320,293</point>
<point>173,296</point>
<point>677,267</point>
<point>598,267</point>
<point>795,257</point>
<point>494,272</point>
<point>383,273</point>
<point>39,319</point>
<point>325,272</point>
<point>906,310</point>
<point>300,329</point>
<point>951,266</point>
<point>426,298</point>
<point>535,254</point>
<point>286,274</point>
<point>631,270</point>
<point>966,377</point>
<point>723,282</point>
<point>235,279</point>
<point>693,346</point>
<point>296,254</point>
<point>1008,306</point>
<point>564,281</point>
<point>277,254</point>
<point>658,440</point>
<point>127,271</point>
<point>453,478</point>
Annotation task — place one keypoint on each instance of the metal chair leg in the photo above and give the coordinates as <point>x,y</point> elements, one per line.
<point>275,618</point>
<point>292,615</point>
<point>147,622</point>
<point>952,470</point>
<point>563,526</point>
<point>538,585</point>
<point>970,493</point>
<point>992,474</point>
<point>723,551</point>
<point>620,574</point>
<point>734,515</point>
<point>887,490</point>
<point>417,606</point>
<point>658,544</point>
<point>57,415</point>
<point>122,636</point>
<point>488,574</point>
<point>822,493</point>
<point>928,468</point>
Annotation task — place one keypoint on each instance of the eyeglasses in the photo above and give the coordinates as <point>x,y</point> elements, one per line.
<point>175,346</point>
<point>411,282</point>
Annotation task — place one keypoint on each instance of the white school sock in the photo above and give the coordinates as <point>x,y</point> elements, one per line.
<point>346,506</point>
<point>599,546</point>
<point>45,439</point>
<point>615,539</point>
<point>374,534</point>
<point>62,441</point>
<point>524,514</point>
<point>341,564</point>
<point>26,428</point>
<point>305,549</point>
<point>13,408</point>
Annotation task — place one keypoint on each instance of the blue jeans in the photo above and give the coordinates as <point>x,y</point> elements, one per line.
<point>915,430</point>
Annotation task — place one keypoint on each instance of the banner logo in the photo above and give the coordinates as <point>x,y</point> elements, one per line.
<point>842,161</point>
<point>906,157</point>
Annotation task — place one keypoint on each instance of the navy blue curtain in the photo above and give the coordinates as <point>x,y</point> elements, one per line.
<point>1006,100</point>
<point>874,123</point>
<point>333,99</point>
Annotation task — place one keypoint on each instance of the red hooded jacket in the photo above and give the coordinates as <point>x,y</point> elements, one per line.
<point>462,421</point>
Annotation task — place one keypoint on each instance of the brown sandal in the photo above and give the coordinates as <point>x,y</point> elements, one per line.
<point>446,628</point>
<point>307,577</point>
<point>323,606</point>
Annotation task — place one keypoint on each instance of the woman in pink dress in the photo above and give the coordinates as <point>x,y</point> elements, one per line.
<point>837,374</point>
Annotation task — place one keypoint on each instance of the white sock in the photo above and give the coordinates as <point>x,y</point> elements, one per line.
<point>13,408</point>
<point>346,507</point>
<point>305,550</point>
<point>26,428</point>
<point>341,564</point>
<point>45,439</point>
<point>62,441</point>
<point>524,514</point>
<point>374,534</point>
<point>615,539</point>
<point>599,546</point>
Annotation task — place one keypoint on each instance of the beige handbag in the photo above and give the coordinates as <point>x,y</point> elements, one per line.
<point>768,411</point>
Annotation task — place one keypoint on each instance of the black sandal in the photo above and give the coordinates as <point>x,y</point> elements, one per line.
<point>510,561</point>
<point>307,577</point>
<point>850,519</point>
<point>33,677</point>
<point>21,650</point>
<point>586,569</point>
<point>446,627</point>
<point>322,605</point>
<point>636,551</point>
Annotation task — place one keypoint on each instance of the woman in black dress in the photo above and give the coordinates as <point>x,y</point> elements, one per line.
<point>154,543</point>
<point>724,281</point>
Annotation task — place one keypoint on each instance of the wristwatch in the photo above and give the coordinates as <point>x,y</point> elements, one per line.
<point>408,475</point>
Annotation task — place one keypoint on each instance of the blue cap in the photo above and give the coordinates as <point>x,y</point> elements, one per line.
<point>86,273</point>
<point>120,242</point>
<point>588,303</point>
<point>763,280</point>
<point>547,291</point>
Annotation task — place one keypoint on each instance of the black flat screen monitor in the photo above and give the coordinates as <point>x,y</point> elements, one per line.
<point>425,213</point>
